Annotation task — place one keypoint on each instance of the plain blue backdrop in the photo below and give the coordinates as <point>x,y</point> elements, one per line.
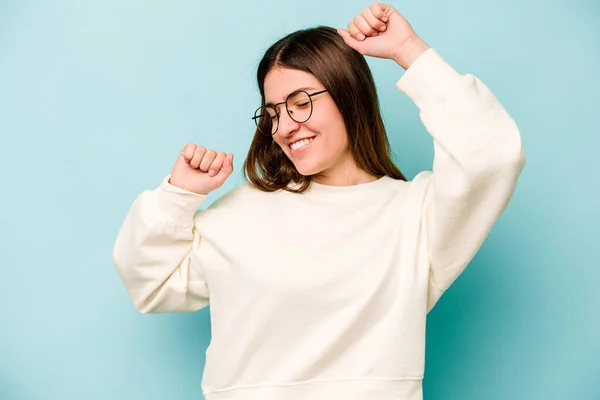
<point>98,97</point>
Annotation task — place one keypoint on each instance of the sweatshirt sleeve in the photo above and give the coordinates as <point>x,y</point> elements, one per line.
<point>478,158</point>
<point>153,251</point>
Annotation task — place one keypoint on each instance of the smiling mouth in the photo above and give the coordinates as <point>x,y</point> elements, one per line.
<point>301,143</point>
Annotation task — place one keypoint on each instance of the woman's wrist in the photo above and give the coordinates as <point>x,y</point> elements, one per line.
<point>410,51</point>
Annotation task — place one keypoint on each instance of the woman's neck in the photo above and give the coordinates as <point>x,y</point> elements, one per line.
<point>347,177</point>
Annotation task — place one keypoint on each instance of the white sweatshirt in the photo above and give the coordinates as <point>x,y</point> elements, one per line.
<point>324,295</point>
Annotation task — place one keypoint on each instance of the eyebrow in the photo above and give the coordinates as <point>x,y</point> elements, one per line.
<point>297,90</point>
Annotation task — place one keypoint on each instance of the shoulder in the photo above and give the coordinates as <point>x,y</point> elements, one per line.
<point>419,183</point>
<point>245,196</point>
<point>413,191</point>
<point>241,196</point>
<point>421,180</point>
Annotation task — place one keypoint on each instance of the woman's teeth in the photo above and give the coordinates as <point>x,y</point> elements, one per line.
<point>301,143</point>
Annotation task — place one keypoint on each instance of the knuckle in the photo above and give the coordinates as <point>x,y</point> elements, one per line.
<point>363,25</point>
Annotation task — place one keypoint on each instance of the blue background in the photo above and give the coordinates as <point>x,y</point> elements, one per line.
<point>98,97</point>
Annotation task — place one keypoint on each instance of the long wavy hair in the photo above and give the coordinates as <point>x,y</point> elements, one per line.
<point>344,72</point>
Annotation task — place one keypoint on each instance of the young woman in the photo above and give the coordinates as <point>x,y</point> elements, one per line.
<point>320,270</point>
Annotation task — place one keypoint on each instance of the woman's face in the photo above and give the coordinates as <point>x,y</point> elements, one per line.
<point>327,153</point>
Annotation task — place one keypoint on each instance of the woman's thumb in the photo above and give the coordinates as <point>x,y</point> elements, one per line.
<point>350,41</point>
<point>227,167</point>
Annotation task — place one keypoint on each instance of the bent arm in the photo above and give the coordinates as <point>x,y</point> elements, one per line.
<point>478,159</point>
<point>153,252</point>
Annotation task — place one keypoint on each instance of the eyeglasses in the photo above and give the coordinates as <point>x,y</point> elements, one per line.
<point>299,106</point>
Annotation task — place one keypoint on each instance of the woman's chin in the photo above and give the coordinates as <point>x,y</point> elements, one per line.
<point>307,169</point>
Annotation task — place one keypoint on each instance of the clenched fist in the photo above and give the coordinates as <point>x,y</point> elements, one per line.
<point>381,31</point>
<point>200,170</point>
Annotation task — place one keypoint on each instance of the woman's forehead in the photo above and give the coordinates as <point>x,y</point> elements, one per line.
<point>280,82</point>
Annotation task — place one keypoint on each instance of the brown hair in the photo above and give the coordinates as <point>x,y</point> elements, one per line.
<point>344,72</point>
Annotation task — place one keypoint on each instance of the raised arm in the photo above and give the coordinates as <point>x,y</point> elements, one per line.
<point>155,250</point>
<point>478,153</point>
<point>478,158</point>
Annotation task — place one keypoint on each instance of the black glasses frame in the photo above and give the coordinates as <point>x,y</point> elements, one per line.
<point>274,107</point>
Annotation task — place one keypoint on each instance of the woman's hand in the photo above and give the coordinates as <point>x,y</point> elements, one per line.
<point>380,31</point>
<point>201,170</point>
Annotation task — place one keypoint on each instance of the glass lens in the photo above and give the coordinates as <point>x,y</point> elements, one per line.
<point>299,106</point>
<point>266,119</point>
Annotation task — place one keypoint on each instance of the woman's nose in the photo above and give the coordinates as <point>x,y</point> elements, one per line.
<point>287,125</point>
